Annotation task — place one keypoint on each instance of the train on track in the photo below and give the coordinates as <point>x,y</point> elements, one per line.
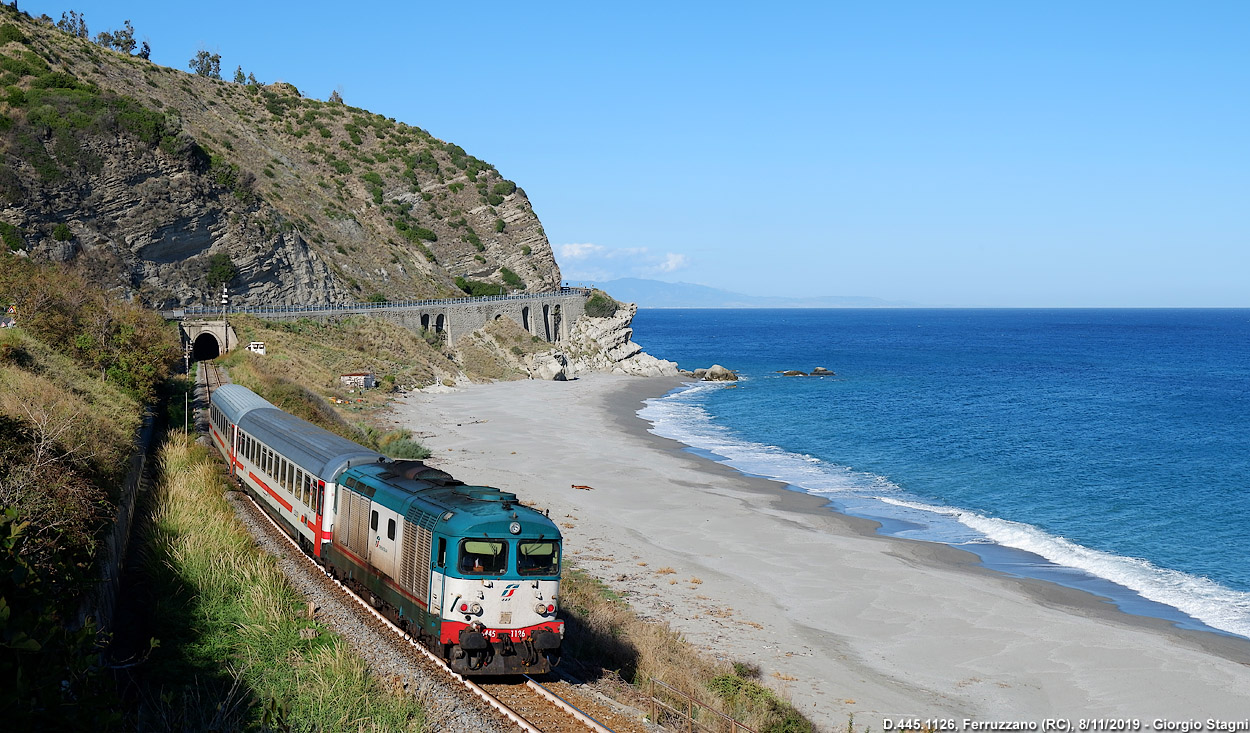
<point>467,571</point>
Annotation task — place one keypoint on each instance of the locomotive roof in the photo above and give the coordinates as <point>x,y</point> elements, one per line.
<point>432,495</point>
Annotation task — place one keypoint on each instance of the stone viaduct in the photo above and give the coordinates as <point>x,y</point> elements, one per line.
<point>546,315</point>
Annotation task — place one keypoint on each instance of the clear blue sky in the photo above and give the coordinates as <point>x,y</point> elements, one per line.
<point>947,153</point>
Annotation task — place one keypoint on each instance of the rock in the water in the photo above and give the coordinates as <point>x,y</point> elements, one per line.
<point>718,373</point>
<point>794,373</point>
<point>699,373</point>
<point>822,372</point>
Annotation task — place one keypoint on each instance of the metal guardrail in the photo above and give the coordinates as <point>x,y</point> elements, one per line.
<point>718,722</point>
<point>362,307</point>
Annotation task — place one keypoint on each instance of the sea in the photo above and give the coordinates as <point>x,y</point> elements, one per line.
<point>1106,450</point>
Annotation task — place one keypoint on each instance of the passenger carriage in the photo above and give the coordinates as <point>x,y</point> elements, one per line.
<point>467,570</point>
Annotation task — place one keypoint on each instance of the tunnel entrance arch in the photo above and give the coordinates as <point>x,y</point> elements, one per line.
<point>205,347</point>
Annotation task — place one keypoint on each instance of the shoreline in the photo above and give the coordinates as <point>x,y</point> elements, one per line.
<point>913,628</point>
<point>625,403</point>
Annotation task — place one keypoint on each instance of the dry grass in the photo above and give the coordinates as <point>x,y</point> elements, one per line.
<point>666,570</point>
<point>316,354</point>
<point>605,633</point>
<point>236,616</point>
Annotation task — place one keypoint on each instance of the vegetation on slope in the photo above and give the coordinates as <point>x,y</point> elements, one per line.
<point>236,658</point>
<point>386,207</point>
<point>74,378</point>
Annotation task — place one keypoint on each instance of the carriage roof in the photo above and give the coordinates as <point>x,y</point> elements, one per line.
<point>316,450</point>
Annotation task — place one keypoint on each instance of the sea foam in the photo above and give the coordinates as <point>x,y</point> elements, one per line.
<point>682,417</point>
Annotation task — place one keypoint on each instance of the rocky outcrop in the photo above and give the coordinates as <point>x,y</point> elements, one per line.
<point>605,345</point>
<point>715,373</point>
<point>313,202</point>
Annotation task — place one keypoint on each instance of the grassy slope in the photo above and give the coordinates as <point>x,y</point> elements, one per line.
<point>233,655</point>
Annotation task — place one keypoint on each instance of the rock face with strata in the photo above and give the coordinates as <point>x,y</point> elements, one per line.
<point>605,345</point>
<point>313,202</point>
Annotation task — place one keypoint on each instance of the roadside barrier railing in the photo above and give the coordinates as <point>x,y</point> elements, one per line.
<point>675,706</point>
<point>200,310</point>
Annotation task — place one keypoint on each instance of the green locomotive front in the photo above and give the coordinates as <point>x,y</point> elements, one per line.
<point>466,569</point>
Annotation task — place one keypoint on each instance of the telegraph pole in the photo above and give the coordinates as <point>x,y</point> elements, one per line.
<point>225,325</point>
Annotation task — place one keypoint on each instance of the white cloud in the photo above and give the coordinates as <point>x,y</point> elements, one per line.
<point>599,262</point>
<point>579,251</point>
<point>673,261</point>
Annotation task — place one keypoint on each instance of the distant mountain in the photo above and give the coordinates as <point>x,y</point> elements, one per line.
<point>657,294</point>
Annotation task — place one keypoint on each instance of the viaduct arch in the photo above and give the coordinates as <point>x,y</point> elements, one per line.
<point>545,315</point>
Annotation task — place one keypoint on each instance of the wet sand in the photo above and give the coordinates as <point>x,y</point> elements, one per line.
<point>839,619</point>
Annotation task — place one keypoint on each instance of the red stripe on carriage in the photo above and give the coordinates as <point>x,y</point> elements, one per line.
<point>272,493</point>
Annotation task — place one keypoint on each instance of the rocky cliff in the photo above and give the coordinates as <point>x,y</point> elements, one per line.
<point>145,176</point>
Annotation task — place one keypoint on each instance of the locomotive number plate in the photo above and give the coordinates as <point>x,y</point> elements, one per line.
<point>505,617</point>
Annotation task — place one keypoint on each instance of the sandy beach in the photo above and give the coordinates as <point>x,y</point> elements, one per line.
<point>839,619</point>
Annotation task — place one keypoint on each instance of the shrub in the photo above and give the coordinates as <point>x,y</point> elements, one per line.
<point>511,279</point>
<point>221,270</point>
<point>478,289</point>
<point>499,226</point>
<point>10,33</point>
<point>504,188</point>
<point>12,236</point>
<point>494,199</point>
<point>61,233</point>
<point>601,305</point>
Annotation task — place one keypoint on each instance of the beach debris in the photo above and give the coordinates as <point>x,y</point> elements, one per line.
<point>583,487</point>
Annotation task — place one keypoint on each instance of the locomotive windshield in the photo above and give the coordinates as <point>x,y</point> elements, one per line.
<point>483,557</point>
<point>538,557</point>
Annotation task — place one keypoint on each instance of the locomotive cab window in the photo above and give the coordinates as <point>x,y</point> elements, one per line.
<point>390,529</point>
<point>373,520</point>
<point>483,557</point>
<point>538,557</point>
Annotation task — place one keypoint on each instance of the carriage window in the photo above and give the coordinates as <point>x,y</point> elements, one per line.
<point>390,529</point>
<point>373,521</point>
<point>442,552</point>
<point>538,557</point>
<point>483,557</point>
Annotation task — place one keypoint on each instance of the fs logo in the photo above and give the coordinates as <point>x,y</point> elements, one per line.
<point>509,589</point>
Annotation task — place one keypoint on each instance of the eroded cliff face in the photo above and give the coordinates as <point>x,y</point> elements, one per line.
<point>140,173</point>
<point>605,345</point>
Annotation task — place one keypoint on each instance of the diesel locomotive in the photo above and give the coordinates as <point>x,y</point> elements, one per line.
<point>468,571</point>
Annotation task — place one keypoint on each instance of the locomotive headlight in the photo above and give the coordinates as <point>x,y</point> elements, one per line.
<point>476,609</point>
<point>544,609</point>
<point>515,528</point>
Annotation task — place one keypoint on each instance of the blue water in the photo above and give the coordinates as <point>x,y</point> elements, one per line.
<point>1103,449</point>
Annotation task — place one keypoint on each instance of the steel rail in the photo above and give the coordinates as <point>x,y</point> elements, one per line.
<point>565,705</point>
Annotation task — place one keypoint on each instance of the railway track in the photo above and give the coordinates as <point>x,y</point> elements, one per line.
<point>524,702</point>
